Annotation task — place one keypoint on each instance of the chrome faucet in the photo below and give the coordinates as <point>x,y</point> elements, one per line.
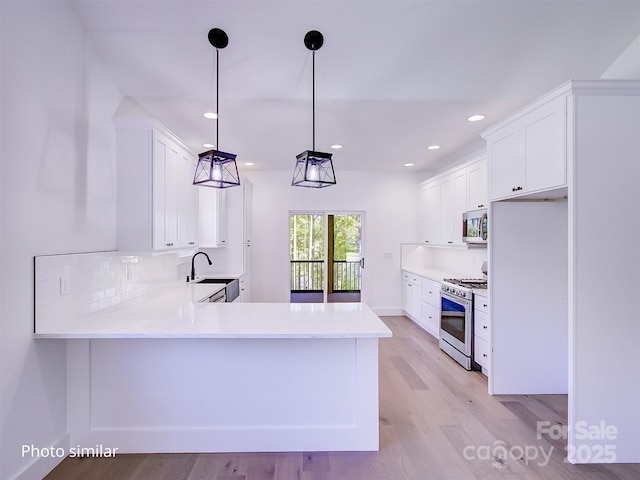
<point>193,267</point>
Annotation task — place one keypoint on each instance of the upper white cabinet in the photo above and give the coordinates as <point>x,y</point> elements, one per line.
<point>157,204</point>
<point>247,218</point>
<point>443,199</point>
<point>429,212</point>
<point>528,153</point>
<point>212,221</point>
<point>453,203</point>
<point>477,183</point>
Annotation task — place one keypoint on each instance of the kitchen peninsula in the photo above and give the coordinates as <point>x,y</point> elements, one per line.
<point>170,373</point>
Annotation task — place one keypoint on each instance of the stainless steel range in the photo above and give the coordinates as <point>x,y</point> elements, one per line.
<point>456,318</point>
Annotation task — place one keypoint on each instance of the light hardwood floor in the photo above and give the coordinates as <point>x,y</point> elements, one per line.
<point>436,422</point>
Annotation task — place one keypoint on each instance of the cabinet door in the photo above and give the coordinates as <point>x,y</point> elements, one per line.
<point>188,218</point>
<point>477,186</point>
<point>458,207</point>
<point>429,226</point>
<point>247,194</point>
<point>212,218</point>
<point>407,296</point>
<point>545,146</point>
<point>506,163</point>
<point>430,318</point>
<point>166,178</point>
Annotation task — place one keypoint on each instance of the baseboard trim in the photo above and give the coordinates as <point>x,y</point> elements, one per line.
<point>39,467</point>
<point>387,311</point>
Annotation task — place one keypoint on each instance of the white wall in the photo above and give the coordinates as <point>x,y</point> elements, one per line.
<point>627,65</point>
<point>57,195</point>
<point>389,204</point>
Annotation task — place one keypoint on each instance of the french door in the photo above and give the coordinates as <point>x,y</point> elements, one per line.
<point>326,256</point>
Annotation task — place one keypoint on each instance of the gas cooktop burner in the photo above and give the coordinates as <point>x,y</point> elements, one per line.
<point>468,282</point>
<point>462,287</point>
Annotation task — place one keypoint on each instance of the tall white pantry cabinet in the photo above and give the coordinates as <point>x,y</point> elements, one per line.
<point>564,176</point>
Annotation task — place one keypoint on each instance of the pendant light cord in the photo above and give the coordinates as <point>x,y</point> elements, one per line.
<point>313,95</point>
<point>217,96</point>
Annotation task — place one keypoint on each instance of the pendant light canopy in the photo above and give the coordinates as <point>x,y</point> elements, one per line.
<point>216,168</point>
<point>313,169</point>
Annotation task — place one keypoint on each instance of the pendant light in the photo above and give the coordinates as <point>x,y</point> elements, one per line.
<point>313,169</point>
<point>216,168</point>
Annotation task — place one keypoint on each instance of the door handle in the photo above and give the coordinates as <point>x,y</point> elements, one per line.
<point>362,262</point>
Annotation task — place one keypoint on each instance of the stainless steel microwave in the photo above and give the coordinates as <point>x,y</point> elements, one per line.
<point>475,226</point>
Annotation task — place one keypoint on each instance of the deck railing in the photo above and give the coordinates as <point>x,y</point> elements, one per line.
<point>308,275</point>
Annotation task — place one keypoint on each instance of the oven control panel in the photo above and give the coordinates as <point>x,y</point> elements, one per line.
<point>457,291</point>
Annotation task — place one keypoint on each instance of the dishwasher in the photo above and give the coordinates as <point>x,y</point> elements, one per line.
<point>217,297</point>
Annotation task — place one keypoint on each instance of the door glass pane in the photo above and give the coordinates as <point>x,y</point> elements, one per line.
<point>345,258</point>
<point>306,233</point>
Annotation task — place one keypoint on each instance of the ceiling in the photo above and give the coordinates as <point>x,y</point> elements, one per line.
<point>392,77</point>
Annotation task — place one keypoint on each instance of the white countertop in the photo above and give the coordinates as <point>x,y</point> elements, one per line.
<point>176,312</point>
<point>432,274</point>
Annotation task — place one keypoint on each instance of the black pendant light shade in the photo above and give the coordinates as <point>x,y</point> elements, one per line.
<point>313,169</point>
<point>216,168</point>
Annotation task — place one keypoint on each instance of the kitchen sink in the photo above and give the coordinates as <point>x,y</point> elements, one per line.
<point>215,280</point>
<point>232,286</point>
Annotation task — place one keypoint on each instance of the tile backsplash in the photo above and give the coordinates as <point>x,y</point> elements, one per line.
<point>71,285</point>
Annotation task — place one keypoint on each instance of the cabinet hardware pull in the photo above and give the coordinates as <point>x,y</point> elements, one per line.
<point>485,305</point>
<point>484,355</point>
<point>515,189</point>
<point>481,205</point>
<point>485,327</point>
<point>449,241</point>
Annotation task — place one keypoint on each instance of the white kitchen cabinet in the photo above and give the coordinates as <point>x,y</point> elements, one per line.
<point>481,332</point>
<point>453,203</point>
<point>441,203</point>
<point>212,217</point>
<point>430,306</point>
<point>529,153</point>
<point>189,203</point>
<point>429,212</point>
<point>411,295</point>
<point>156,203</point>
<point>477,188</point>
<point>244,295</point>
<point>247,206</point>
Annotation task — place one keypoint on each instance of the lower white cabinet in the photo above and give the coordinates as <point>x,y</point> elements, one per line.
<point>244,294</point>
<point>411,295</point>
<point>430,306</point>
<point>482,331</point>
<point>421,301</point>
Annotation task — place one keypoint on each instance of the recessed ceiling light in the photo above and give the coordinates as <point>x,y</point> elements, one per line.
<point>248,164</point>
<point>433,147</point>
<point>408,164</point>
<point>476,118</point>
<point>210,115</point>
<point>208,145</point>
<point>336,146</point>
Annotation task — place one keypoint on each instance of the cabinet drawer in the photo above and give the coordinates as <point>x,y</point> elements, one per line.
<point>430,291</point>
<point>410,277</point>
<point>481,324</point>
<point>481,303</point>
<point>481,352</point>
